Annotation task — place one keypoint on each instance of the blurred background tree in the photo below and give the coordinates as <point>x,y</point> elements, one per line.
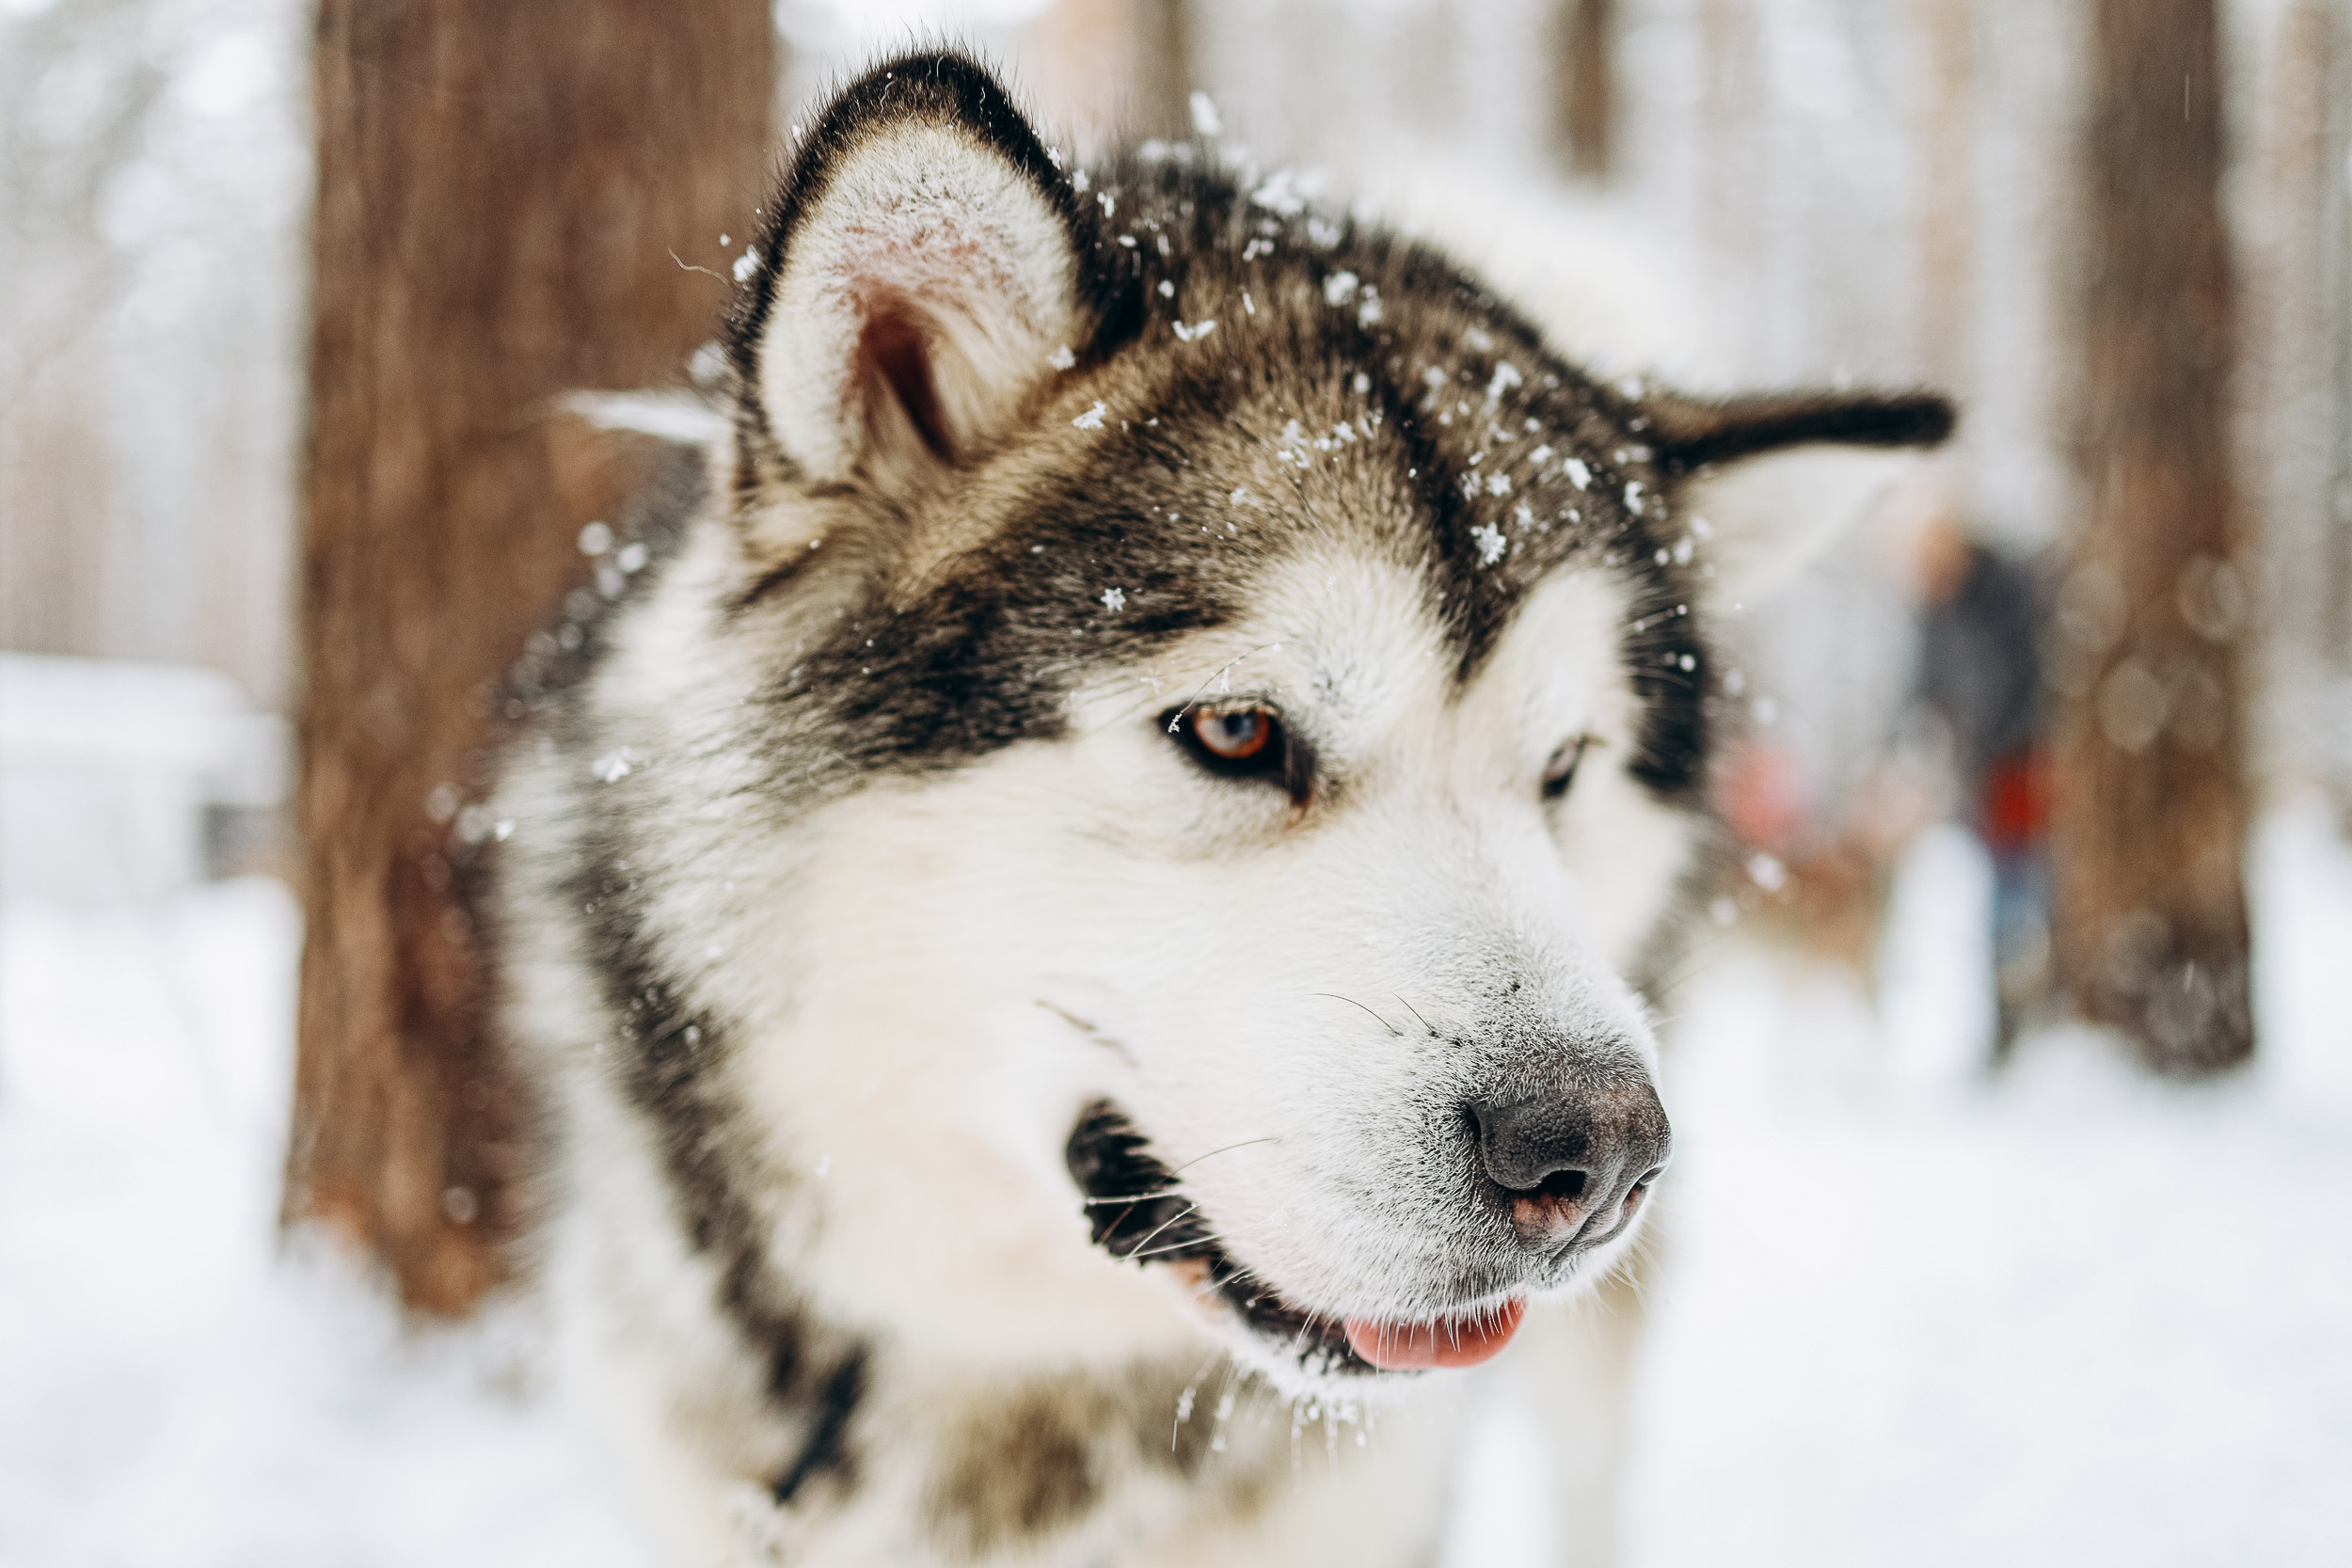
<point>513,202</point>
<point>2150,924</point>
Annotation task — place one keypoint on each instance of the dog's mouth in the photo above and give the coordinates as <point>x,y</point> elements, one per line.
<point>1139,1214</point>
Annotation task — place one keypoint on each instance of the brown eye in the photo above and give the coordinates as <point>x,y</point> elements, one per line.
<point>1560,771</point>
<point>1243,740</point>
<point>1233,734</point>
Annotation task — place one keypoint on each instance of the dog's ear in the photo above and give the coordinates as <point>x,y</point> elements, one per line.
<point>1778,478</point>
<point>922,276</point>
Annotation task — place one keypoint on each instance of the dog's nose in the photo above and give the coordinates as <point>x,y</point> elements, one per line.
<point>1574,1167</point>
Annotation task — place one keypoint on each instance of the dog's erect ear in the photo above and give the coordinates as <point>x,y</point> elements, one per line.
<point>1778,478</point>
<point>922,275</point>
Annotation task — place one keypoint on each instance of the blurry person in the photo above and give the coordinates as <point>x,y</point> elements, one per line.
<point>1980,677</point>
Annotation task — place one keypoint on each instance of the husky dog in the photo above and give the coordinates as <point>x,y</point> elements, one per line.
<point>1083,918</point>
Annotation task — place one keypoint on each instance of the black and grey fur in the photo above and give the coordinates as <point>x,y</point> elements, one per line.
<point>979,1108</point>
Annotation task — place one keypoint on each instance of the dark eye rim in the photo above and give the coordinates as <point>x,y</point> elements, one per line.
<point>1560,772</point>
<point>1284,759</point>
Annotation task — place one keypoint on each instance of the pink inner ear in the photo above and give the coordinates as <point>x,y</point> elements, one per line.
<point>894,345</point>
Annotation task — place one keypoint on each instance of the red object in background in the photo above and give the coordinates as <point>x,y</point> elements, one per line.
<point>1764,797</point>
<point>2013,803</point>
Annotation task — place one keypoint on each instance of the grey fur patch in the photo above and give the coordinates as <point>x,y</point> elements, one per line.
<point>1029,1462</point>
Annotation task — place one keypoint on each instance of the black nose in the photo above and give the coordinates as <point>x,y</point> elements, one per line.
<point>1575,1166</point>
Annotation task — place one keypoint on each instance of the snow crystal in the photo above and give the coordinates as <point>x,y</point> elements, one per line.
<point>633,557</point>
<point>1578,475</point>
<point>1505,377</point>
<point>1359,383</point>
<point>595,539</point>
<point>1633,497</point>
<point>1061,359</point>
<point>1280,193</point>
<point>1339,288</point>
<point>1490,543</point>
<point>1478,339</point>
<point>1079,182</point>
<point>1540,456</point>
<point>1091,419</point>
<point>1367,313</point>
<point>1497,484</point>
<point>1204,115</point>
<point>1167,290</point>
<point>747,264</point>
<point>1767,872</point>
<point>1190,334</point>
<point>1110,206</point>
<point>1114,600</point>
<point>613,767</point>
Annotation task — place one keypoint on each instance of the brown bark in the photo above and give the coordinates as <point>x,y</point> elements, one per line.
<point>1114,68</point>
<point>2150,928</point>
<point>1946,189</point>
<point>1583,77</point>
<point>508,196</point>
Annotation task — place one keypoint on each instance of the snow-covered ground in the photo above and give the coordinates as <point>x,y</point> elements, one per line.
<point>1903,1317</point>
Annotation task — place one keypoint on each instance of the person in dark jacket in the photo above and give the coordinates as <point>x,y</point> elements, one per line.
<point>1981,672</point>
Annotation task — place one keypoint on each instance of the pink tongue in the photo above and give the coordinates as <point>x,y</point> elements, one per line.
<point>1397,1348</point>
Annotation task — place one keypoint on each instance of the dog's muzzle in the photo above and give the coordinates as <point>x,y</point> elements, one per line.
<point>1558,1175</point>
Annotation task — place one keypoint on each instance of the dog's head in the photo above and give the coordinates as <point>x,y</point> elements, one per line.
<point>1231,711</point>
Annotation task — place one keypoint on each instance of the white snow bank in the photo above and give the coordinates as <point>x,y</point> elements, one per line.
<point>106,766</point>
<point>173,1391</point>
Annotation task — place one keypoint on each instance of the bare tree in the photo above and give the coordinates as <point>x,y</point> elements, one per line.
<point>1947,187</point>
<point>514,200</point>
<point>1584,84</point>
<point>2151,812</point>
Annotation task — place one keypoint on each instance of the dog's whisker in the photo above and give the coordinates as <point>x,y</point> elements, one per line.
<point>1134,1198</point>
<point>1227,1149</point>
<point>1353,1002</point>
<point>1189,1209</point>
<point>1172,1246</point>
<point>1416,1012</point>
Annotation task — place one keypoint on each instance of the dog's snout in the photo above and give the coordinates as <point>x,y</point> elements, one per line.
<point>1574,1167</point>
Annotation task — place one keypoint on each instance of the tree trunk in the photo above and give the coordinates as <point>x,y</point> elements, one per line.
<point>1947,188</point>
<point>1584,84</point>
<point>509,198</point>
<point>2151,929</point>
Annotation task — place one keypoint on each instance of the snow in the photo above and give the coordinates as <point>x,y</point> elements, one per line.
<point>181,1389</point>
<point>1903,1314</point>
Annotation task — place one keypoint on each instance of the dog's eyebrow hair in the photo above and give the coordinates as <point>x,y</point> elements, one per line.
<point>1353,1002</point>
<point>1223,669</point>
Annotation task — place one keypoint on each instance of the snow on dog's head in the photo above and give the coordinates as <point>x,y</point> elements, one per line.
<point>1189,729</point>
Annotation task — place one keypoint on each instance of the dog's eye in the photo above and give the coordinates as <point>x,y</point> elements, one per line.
<point>1241,740</point>
<point>1234,734</point>
<point>1560,772</point>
